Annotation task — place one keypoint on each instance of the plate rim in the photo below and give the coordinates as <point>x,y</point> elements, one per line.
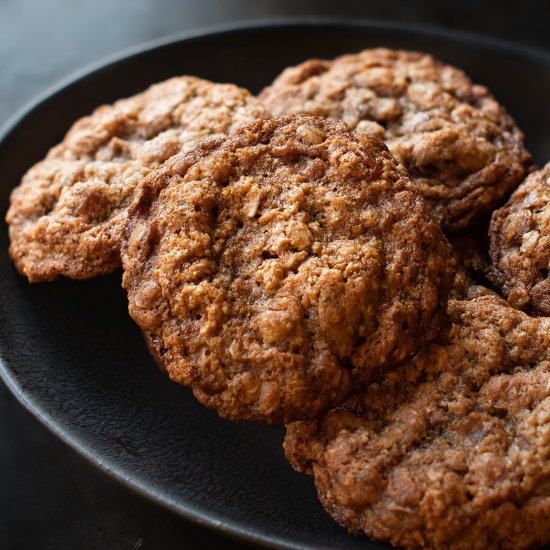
<point>490,42</point>
<point>189,512</point>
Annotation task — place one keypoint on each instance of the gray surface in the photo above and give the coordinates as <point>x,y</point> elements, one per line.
<point>42,41</point>
<point>49,497</point>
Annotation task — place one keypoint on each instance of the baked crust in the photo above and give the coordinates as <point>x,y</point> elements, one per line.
<point>271,267</point>
<point>457,142</point>
<point>451,449</point>
<point>67,215</point>
<point>520,245</point>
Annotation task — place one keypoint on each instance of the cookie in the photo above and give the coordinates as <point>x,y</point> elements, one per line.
<point>67,215</point>
<point>273,266</point>
<point>520,245</point>
<point>450,450</point>
<point>458,144</point>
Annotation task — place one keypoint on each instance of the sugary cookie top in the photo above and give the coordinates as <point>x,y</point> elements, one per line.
<point>457,142</point>
<point>449,450</point>
<point>271,266</point>
<point>520,245</point>
<point>67,214</point>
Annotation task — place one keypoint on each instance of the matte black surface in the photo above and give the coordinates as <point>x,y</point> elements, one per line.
<point>72,353</point>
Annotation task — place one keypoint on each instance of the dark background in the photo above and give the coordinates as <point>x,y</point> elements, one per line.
<point>50,498</point>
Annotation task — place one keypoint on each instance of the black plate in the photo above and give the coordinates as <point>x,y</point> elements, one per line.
<point>73,357</point>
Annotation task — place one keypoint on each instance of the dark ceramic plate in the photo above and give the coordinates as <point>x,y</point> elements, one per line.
<point>72,355</point>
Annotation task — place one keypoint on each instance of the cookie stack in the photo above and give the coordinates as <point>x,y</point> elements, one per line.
<point>322,256</point>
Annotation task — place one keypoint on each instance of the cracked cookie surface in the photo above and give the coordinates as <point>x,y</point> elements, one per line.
<point>67,214</point>
<point>457,142</point>
<point>271,267</point>
<point>449,450</point>
<point>520,245</point>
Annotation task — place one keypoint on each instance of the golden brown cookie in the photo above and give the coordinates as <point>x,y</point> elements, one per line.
<point>67,214</point>
<point>271,266</point>
<point>458,144</point>
<point>520,245</point>
<point>452,449</point>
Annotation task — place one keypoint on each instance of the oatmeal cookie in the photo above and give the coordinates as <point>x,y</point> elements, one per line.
<point>457,142</point>
<point>520,245</point>
<point>451,449</point>
<point>271,267</point>
<point>67,214</point>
